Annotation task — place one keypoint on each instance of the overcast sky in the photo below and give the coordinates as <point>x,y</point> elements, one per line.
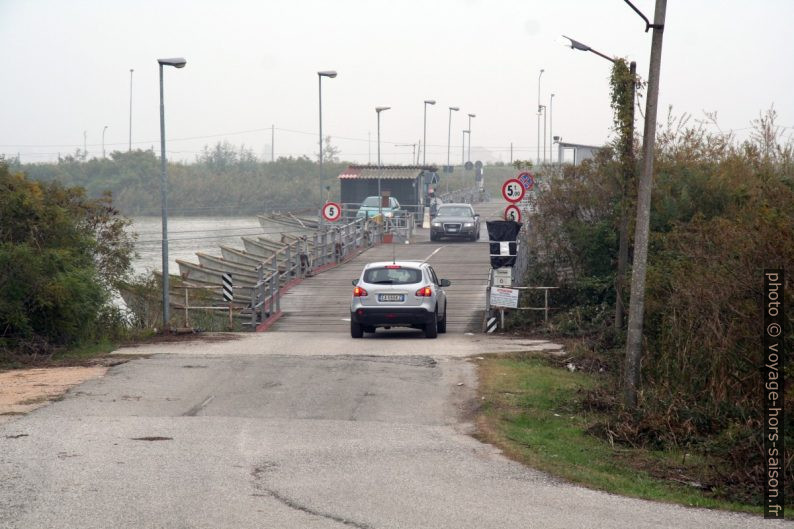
<point>253,64</point>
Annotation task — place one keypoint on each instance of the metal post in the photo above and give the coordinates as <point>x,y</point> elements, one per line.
<point>544,133</point>
<point>463,149</point>
<point>322,175</point>
<point>551,129</point>
<point>129,148</point>
<point>469,131</point>
<point>85,144</point>
<point>511,153</point>
<point>103,141</point>
<point>164,204</point>
<point>187,303</point>
<point>637,301</point>
<point>272,143</point>
<point>546,305</point>
<point>539,76</point>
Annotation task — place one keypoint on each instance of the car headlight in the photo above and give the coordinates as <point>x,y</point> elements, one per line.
<point>388,214</point>
<point>436,224</point>
<point>468,224</point>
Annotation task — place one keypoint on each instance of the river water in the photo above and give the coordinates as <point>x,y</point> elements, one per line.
<point>186,236</point>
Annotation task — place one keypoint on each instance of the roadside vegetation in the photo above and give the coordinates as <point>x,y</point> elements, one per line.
<point>61,256</point>
<point>722,211</point>
<point>536,410</point>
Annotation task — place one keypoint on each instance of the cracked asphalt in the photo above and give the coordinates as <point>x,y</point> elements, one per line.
<point>285,431</point>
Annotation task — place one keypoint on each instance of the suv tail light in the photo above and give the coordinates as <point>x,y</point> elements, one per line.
<point>424,292</point>
<point>359,292</point>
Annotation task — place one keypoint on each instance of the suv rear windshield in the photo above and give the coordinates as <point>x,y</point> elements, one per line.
<point>372,202</point>
<point>454,211</point>
<point>393,276</point>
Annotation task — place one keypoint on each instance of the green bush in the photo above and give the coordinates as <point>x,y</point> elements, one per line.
<point>61,255</point>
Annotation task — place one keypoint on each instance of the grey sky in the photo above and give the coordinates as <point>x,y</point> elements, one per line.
<point>252,64</point>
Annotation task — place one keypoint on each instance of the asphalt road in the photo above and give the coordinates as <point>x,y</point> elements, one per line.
<point>322,303</point>
<point>283,430</point>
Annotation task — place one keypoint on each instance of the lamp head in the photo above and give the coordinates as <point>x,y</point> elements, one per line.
<point>381,109</point>
<point>176,62</point>
<point>472,115</point>
<point>454,108</point>
<point>576,45</point>
<point>430,101</point>
<point>327,73</point>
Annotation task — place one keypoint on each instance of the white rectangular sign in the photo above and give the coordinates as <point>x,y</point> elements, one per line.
<point>504,297</point>
<point>503,277</point>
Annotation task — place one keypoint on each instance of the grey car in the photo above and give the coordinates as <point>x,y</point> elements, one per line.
<point>398,294</point>
<point>455,220</point>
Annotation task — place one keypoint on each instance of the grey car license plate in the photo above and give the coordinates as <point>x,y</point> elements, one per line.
<point>391,297</point>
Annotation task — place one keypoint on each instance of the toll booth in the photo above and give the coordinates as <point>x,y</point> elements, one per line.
<point>409,184</point>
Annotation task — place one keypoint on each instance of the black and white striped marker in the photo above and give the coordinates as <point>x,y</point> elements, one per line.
<point>490,326</point>
<point>228,292</point>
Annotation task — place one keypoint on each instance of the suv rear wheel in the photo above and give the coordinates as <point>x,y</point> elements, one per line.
<point>355,330</point>
<point>431,327</point>
<point>442,324</point>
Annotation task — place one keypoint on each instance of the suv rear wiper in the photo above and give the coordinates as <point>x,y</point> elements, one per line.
<point>387,282</point>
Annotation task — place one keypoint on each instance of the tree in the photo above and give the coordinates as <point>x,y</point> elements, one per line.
<point>330,152</point>
<point>61,255</point>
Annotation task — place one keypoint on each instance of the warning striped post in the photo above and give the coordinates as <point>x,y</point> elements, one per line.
<point>228,291</point>
<point>491,324</point>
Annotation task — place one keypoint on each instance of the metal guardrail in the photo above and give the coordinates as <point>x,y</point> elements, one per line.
<point>302,256</point>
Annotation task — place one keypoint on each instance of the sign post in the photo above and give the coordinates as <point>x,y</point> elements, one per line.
<point>513,213</point>
<point>331,211</point>
<point>513,190</point>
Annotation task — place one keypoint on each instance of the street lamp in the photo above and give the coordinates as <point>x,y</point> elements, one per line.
<point>320,75</point>
<point>463,148</point>
<point>103,141</point>
<point>539,76</point>
<point>469,131</point>
<point>129,148</point>
<point>551,129</point>
<point>176,63</point>
<point>378,110</point>
<point>424,136</point>
<point>449,130</point>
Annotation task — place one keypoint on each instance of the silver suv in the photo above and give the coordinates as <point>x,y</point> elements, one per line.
<point>398,294</point>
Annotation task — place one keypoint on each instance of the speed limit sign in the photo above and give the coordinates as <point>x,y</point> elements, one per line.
<point>331,211</point>
<point>513,190</point>
<point>513,213</point>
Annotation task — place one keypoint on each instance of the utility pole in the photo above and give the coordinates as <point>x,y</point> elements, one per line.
<point>85,145</point>
<point>272,143</point>
<point>511,153</point>
<point>637,300</point>
<point>539,76</point>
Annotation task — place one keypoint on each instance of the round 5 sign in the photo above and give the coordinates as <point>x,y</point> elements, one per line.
<point>332,211</point>
<point>513,190</point>
<point>513,213</point>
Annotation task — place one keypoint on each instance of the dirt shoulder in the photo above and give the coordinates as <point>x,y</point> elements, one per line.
<point>24,390</point>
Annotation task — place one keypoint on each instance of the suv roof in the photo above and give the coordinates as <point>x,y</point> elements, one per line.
<point>464,204</point>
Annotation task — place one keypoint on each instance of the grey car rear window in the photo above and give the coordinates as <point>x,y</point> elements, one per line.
<point>393,276</point>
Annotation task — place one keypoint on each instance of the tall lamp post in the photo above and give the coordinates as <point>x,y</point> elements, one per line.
<point>463,147</point>
<point>129,148</point>
<point>449,131</point>
<point>551,129</point>
<point>623,237</point>
<point>103,141</point>
<point>177,62</point>
<point>331,74</point>
<point>539,76</point>
<point>424,128</point>
<point>469,132</point>
<point>378,110</point>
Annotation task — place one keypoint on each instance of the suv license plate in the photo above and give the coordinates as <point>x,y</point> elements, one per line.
<point>391,297</point>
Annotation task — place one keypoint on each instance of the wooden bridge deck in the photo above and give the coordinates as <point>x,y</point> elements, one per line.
<point>322,303</point>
